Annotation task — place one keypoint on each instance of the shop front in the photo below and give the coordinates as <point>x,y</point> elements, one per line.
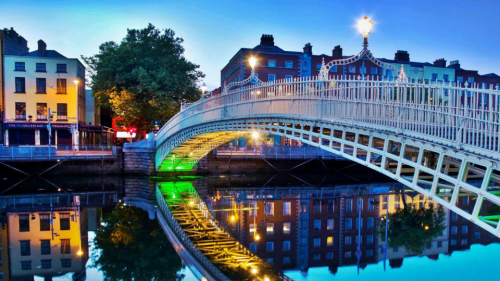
<point>36,134</point>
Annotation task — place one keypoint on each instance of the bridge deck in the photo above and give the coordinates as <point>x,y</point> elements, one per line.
<point>210,237</point>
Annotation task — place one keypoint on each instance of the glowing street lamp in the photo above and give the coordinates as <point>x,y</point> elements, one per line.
<point>255,135</point>
<point>203,88</point>
<point>365,27</point>
<point>253,62</point>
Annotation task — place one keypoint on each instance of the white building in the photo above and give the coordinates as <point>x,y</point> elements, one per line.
<point>41,85</point>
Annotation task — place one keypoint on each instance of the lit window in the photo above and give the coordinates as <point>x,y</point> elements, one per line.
<point>330,224</point>
<point>329,241</point>
<point>253,205</point>
<point>270,209</point>
<point>252,228</point>
<point>286,227</point>
<point>287,208</point>
<point>270,228</point>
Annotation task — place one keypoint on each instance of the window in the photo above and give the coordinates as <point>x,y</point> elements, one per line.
<point>369,239</point>
<point>463,242</point>
<point>64,221</point>
<point>20,66</point>
<point>62,111</point>
<point>359,239</point>
<point>317,256</point>
<point>454,230</point>
<point>329,255</point>
<point>446,78</point>
<point>333,68</point>
<point>352,69</point>
<point>271,77</point>
<point>304,208</point>
<point>289,64</point>
<point>347,255</point>
<point>286,245</point>
<point>388,73</point>
<point>453,242</point>
<point>252,247</point>
<point>41,111</point>
<point>253,206</point>
<point>61,87</point>
<point>395,249</point>
<point>317,224</point>
<point>329,206</point>
<point>348,223</point>
<point>359,224</point>
<point>329,241</point>
<point>270,228</point>
<point>252,228</point>
<point>348,205</point>
<point>359,205</point>
<point>287,208</point>
<point>271,63</point>
<point>374,71</point>
<point>330,224</point>
<point>288,77</point>
<point>20,85</point>
<point>460,79</point>
<point>45,247</point>
<point>61,68</point>
<point>286,260</point>
<point>470,80</point>
<point>454,216</point>
<point>270,246</point>
<point>318,66</point>
<point>25,248</point>
<point>286,227</point>
<point>317,242</point>
<point>65,263</point>
<point>44,222</point>
<point>270,261</point>
<point>21,115</point>
<point>362,70</point>
<point>317,206</point>
<point>434,76</point>
<point>465,229</point>
<point>371,222</point>
<point>384,202</point>
<point>41,67</point>
<point>270,209</point>
<point>65,246</point>
<point>26,265</point>
<point>371,207</point>
<point>439,244</point>
<point>41,86</point>
<point>348,240</point>
<point>477,235</point>
<point>369,253</point>
<point>46,263</point>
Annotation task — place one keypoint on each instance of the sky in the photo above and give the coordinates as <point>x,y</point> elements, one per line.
<point>214,30</point>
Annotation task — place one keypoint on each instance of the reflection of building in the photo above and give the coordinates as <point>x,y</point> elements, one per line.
<point>47,243</point>
<point>4,252</point>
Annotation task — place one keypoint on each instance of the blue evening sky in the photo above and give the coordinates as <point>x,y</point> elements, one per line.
<point>215,30</point>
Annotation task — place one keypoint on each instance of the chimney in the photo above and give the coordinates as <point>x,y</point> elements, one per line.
<point>440,63</point>
<point>402,56</point>
<point>455,64</point>
<point>267,40</point>
<point>308,49</point>
<point>337,52</point>
<point>42,47</point>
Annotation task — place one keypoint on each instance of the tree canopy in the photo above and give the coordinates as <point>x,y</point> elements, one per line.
<point>144,78</point>
<point>133,247</point>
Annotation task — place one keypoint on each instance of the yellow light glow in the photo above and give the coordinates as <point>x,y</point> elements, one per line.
<point>76,81</point>
<point>191,203</point>
<point>79,253</point>
<point>426,227</point>
<point>364,26</point>
<point>266,278</point>
<point>254,270</point>
<point>255,135</point>
<point>253,62</point>
<point>232,218</point>
<point>203,88</point>
<point>257,237</point>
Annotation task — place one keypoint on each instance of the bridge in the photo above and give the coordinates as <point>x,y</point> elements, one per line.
<point>440,139</point>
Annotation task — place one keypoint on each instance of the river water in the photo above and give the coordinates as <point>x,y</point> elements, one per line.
<point>92,228</point>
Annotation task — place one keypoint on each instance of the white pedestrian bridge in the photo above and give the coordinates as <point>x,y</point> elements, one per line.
<point>438,138</point>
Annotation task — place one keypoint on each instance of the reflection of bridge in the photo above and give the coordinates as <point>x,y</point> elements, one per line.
<point>434,138</point>
<point>203,242</point>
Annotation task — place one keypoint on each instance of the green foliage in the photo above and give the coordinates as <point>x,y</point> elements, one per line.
<point>144,78</point>
<point>413,228</point>
<point>133,247</point>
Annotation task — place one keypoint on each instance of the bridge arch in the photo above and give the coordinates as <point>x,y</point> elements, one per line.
<point>418,134</point>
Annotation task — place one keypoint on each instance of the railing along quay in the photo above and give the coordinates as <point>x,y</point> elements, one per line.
<point>14,153</point>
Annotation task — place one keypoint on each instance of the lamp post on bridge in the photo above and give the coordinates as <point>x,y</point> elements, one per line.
<point>253,78</point>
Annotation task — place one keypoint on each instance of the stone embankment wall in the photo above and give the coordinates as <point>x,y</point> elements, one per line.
<point>139,157</point>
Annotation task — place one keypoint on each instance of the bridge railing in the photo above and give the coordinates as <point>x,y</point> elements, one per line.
<point>175,227</point>
<point>459,115</point>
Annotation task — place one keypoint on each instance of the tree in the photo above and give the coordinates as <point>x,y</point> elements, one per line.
<point>413,228</point>
<point>133,247</point>
<point>144,78</point>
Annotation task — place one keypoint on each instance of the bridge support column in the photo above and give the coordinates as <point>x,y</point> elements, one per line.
<point>139,157</point>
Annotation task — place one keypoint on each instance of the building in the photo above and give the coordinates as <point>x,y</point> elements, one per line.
<point>41,86</point>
